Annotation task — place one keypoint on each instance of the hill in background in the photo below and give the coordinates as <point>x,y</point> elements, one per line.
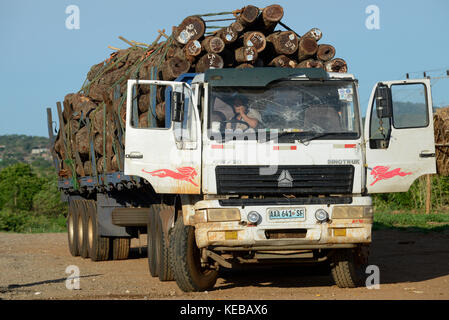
<point>22,148</point>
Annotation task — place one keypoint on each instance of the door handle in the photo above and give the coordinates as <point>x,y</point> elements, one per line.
<point>427,154</point>
<point>134,155</point>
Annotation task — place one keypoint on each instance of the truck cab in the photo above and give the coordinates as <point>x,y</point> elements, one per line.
<point>276,165</point>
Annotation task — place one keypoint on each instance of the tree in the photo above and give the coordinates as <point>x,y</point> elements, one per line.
<point>18,186</point>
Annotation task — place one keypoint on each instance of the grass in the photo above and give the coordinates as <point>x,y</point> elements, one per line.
<point>411,221</point>
<point>25,222</point>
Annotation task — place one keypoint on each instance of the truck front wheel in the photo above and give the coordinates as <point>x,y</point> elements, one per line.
<point>186,261</point>
<point>348,268</point>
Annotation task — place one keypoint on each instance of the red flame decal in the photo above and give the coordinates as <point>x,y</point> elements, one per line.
<point>382,173</point>
<point>184,173</point>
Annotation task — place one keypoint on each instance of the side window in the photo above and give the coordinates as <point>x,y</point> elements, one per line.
<point>409,106</point>
<point>148,106</point>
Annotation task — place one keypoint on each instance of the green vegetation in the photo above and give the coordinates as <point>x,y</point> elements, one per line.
<point>17,148</point>
<point>411,221</point>
<point>30,200</point>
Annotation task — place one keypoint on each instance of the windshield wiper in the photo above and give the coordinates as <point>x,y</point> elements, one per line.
<point>279,135</point>
<point>323,134</point>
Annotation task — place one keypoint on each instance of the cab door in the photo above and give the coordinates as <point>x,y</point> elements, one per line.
<point>399,135</point>
<point>166,154</point>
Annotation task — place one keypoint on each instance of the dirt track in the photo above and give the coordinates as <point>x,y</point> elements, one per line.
<point>412,266</point>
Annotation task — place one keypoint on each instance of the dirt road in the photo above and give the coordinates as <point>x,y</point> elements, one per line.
<point>412,266</point>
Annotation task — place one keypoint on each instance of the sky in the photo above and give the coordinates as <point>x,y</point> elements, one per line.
<point>42,60</point>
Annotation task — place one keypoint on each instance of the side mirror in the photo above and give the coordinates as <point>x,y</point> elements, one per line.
<point>383,102</point>
<point>177,103</point>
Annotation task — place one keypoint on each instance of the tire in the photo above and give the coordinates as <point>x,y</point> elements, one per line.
<point>72,229</point>
<point>151,244</point>
<point>120,248</point>
<point>162,248</point>
<point>82,228</point>
<point>346,268</point>
<point>98,246</point>
<point>187,270</point>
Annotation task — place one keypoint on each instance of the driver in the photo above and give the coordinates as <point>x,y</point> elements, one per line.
<point>248,115</point>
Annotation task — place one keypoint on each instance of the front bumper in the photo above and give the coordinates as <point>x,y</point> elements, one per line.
<point>285,234</point>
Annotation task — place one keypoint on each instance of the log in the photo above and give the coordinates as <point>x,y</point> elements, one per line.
<point>82,141</point>
<point>254,39</point>
<point>244,65</point>
<point>192,50</point>
<point>143,120</point>
<point>271,15</point>
<point>191,28</point>
<point>160,112</point>
<point>246,54</point>
<point>228,34</point>
<point>237,26</point>
<point>307,48</point>
<point>325,52</point>
<point>208,61</point>
<point>87,165</point>
<point>174,67</point>
<point>315,33</point>
<point>283,62</point>
<point>336,65</point>
<point>310,63</point>
<point>213,44</point>
<point>284,43</point>
<point>248,15</point>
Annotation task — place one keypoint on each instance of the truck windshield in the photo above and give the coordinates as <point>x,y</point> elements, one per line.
<point>294,109</point>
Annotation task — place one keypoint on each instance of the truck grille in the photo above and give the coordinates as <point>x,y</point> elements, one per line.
<point>302,180</point>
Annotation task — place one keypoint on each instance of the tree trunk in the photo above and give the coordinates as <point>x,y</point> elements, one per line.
<point>213,44</point>
<point>285,42</point>
<point>245,54</point>
<point>325,52</point>
<point>307,48</point>
<point>336,65</point>
<point>209,60</point>
<point>191,28</point>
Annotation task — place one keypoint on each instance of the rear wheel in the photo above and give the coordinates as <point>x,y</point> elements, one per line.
<point>72,229</point>
<point>82,228</point>
<point>120,248</point>
<point>98,246</point>
<point>348,267</point>
<point>189,274</point>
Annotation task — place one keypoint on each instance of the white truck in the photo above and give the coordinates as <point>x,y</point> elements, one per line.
<point>263,165</point>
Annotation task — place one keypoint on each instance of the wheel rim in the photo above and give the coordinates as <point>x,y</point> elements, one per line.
<point>80,230</point>
<point>71,229</point>
<point>90,232</point>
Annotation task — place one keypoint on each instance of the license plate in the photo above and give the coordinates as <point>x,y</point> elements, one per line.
<point>287,213</point>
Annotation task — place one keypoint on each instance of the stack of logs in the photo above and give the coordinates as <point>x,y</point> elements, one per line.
<point>441,133</point>
<point>96,115</point>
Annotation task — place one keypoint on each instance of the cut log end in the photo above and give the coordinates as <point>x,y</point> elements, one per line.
<point>336,65</point>
<point>191,28</point>
<point>272,14</point>
<point>325,52</point>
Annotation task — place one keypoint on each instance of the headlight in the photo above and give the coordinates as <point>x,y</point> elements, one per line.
<point>321,215</point>
<point>352,212</point>
<point>254,217</point>
<point>220,215</point>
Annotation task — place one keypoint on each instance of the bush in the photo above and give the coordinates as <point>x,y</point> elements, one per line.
<point>14,222</point>
<point>18,186</point>
<point>48,200</point>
